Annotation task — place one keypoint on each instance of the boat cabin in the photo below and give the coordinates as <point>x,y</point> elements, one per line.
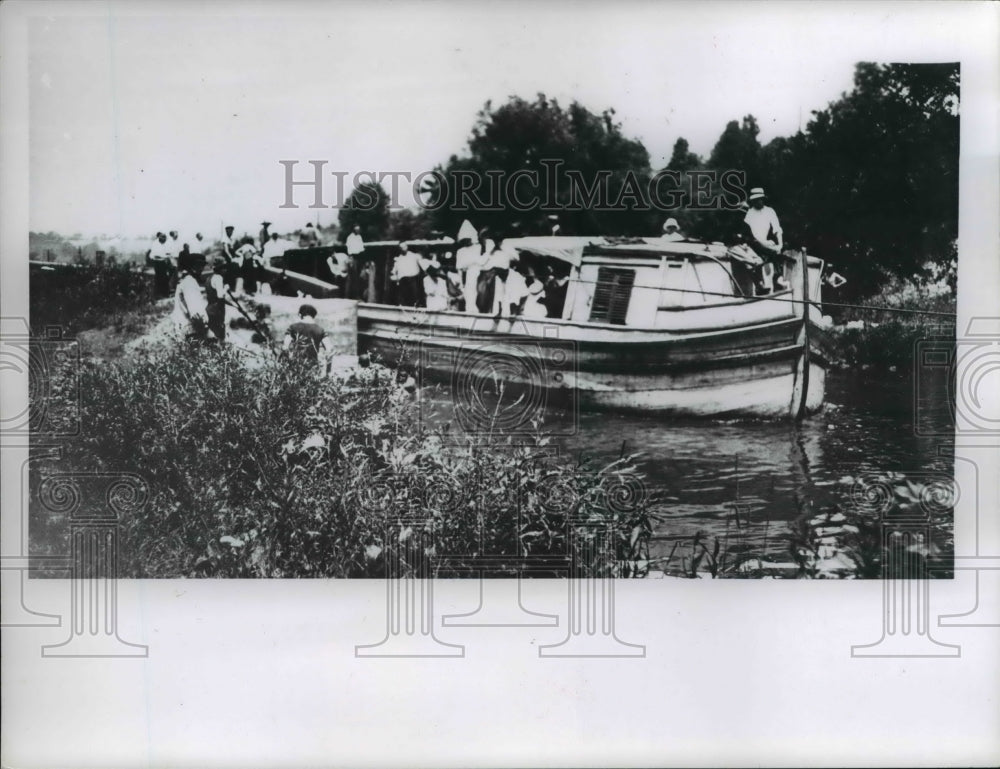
<point>630,283</point>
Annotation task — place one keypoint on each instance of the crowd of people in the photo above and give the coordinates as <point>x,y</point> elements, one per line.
<point>480,275</point>
<point>476,272</point>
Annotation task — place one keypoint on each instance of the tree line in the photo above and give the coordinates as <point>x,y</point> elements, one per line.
<point>870,183</point>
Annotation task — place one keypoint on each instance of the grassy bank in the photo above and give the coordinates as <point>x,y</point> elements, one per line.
<point>273,472</point>
<point>102,307</point>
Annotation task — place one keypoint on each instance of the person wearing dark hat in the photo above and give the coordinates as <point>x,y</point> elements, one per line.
<point>308,339</point>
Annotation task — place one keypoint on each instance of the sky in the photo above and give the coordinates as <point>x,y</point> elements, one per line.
<point>143,121</point>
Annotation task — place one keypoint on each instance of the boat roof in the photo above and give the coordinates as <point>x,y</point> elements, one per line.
<point>445,241</point>
<point>572,249</point>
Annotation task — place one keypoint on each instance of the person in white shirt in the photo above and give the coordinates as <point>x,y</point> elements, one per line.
<point>406,274</point>
<point>360,273</point>
<point>229,255</point>
<point>515,292</point>
<point>159,255</point>
<point>671,231</point>
<point>763,223</point>
<point>355,243</point>
<point>470,257</point>
<point>492,279</point>
<point>309,237</point>
<point>273,248</point>
<point>534,302</point>
<point>435,289</point>
<point>336,265</point>
<point>190,305</point>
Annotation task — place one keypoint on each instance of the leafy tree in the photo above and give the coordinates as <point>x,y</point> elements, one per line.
<point>560,155</point>
<point>368,206</point>
<point>739,150</point>
<point>408,225</point>
<point>872,182</point>
<point>682,159</point>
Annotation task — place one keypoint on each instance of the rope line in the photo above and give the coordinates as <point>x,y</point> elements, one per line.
<point>773,298</point>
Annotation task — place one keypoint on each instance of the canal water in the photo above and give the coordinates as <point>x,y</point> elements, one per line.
<point>703,475</point>
<point>744,482</point>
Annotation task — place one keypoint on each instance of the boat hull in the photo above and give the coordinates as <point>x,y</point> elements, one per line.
<point>698,368</point>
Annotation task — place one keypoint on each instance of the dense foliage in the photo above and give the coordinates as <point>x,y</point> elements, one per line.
<point>522,137</point>
<point>368,207</point>
<point>272,471</point>
<point>871,183</point>
<point>86,296</point>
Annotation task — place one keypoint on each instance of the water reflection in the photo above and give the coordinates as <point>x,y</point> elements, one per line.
<point>744,481</point>
<point>774,472</point>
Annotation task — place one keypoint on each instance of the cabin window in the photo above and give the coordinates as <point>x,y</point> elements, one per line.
<point>611,295</point>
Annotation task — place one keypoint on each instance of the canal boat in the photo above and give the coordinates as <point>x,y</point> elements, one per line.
<point>647,325</point>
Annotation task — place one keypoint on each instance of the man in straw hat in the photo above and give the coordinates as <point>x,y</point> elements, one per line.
<point>672,231</point>
<point>763,222</point>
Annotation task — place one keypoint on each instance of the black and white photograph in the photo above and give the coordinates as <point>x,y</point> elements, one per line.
<point>535,326</point>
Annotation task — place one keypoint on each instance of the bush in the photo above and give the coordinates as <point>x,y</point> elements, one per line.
<point>886,338</point>
<point>87,297</point>
<point>271,471</point>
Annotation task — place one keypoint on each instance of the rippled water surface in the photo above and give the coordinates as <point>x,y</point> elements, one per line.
<point>746,480</point>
